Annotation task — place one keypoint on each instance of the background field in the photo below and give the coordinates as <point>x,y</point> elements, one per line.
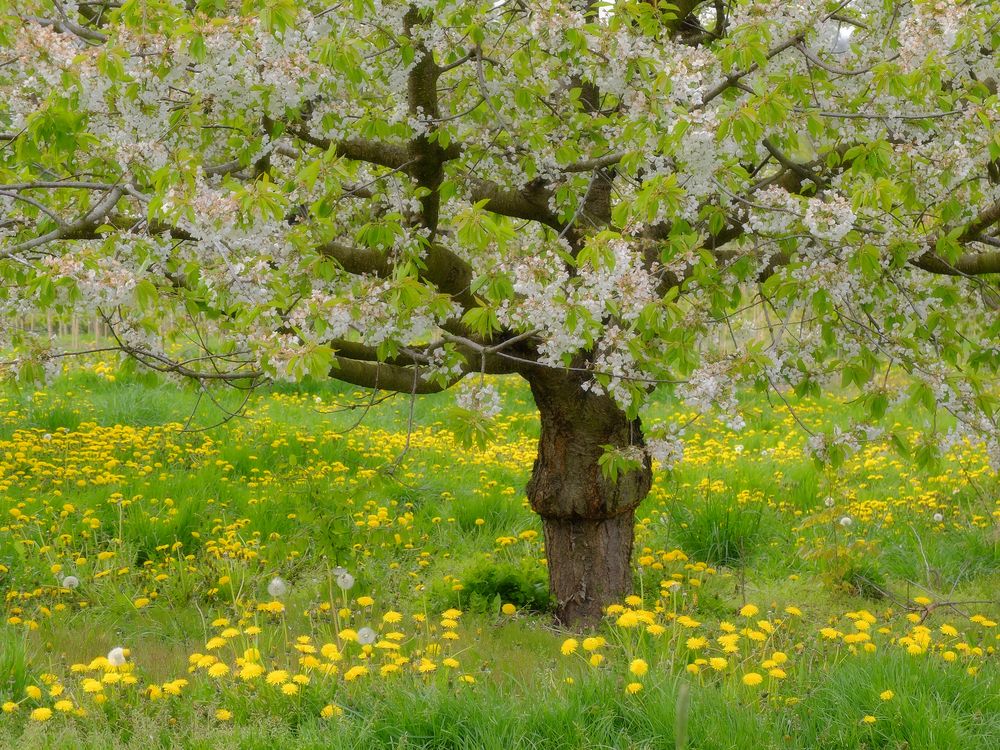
<point>832,587</point>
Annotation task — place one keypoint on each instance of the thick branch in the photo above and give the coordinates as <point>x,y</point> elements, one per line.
<point>981,223</point>
<point>443,268</point>
<point>969,264</point>
<point>428,156</point>
<point>530,204</point>
<point>391,155</point>
<point>386,377</point>
<point>480,358</point>
<point>83,226</point>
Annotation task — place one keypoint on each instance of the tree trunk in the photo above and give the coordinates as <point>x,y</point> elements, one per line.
<point>588,519</point>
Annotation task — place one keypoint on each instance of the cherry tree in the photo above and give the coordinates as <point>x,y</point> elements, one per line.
<point>408,195</point>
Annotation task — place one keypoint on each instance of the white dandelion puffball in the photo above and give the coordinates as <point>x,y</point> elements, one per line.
<point>366,636</point>
<point>828,502</point>
<point>345,580</point>
<point>277,587</point>
<point>70,582</point>
<point>938,518</point>
<point>339,571</point>
<point>846,521</point>
<point>116,656</point>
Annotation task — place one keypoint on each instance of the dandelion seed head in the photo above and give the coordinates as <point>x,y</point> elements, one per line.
<point>277,587</point>
<point>116,656</point>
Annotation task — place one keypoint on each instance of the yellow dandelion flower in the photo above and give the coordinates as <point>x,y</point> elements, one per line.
<point>627,619</point>
<point>569,646</point>
<point>633,687</point>
<point>752,678</point>
<point>174,687</point>
<point>276,677</point>
<point>90,685</point>
<point>251,671</point>
<point>330,710</point>
<point>41,714</point>
<point>223,714</point>
<point>354,673</point>
<point>638,667</point>
<point>426,665</point>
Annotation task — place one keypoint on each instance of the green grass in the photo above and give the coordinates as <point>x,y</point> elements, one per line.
<point>293,490</point>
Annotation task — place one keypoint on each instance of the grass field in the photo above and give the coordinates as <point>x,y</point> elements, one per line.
<point>777,604</point>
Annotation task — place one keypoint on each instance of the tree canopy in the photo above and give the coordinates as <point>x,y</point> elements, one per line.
<point>403,194</point>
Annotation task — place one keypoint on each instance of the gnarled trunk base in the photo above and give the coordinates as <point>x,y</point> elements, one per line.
<point>589,564</point>
<point>588,518</point>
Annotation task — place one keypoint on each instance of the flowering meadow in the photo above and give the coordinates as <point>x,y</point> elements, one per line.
<point>299,577</point>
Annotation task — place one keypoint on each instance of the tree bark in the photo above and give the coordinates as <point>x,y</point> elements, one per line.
<point>587,518</point>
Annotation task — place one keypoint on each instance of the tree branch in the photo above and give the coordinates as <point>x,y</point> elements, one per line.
<point>530,204</point>
<point>387,377</point>
<point>443,268</point>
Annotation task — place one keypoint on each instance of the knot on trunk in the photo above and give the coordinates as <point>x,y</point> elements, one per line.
<point>567,481</point>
